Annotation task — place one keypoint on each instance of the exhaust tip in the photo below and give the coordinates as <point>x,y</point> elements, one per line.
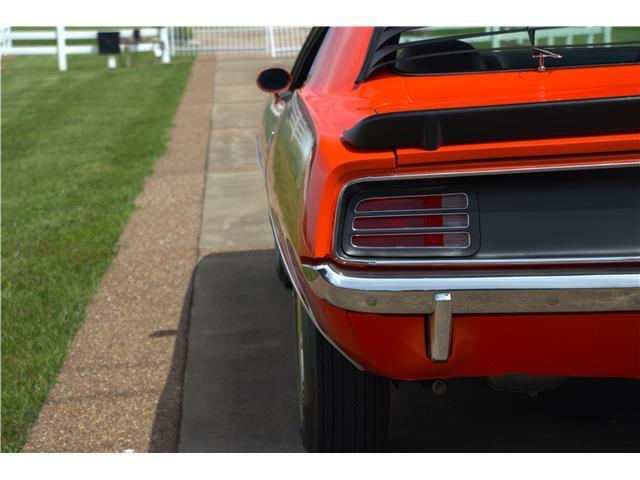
<point>439,387</point>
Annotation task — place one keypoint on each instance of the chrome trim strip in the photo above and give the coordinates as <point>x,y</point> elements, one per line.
<point>470,262</point>
<point>511,261</point>
<point>259,158</point>
<point>528,293</point>
<point>403,234</point>
<point>412,229</point>
<point>287,261</point>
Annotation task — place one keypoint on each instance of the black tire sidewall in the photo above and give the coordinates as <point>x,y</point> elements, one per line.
<point>342,408</point>
<point>307,334</point>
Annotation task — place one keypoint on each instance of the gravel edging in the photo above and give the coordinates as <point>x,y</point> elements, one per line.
<point>120,386</point>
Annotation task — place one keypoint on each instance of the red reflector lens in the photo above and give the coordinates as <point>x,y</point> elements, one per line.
<point>413,221</point>
<point>422,240</point>
<point>422,202</point>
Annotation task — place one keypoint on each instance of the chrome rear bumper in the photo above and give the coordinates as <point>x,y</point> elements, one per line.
<point>476,294</point>
<point>442,295</point>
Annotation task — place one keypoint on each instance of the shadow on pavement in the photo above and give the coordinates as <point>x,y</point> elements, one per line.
<point>585,415</point>
<point>239,390</point>
<point>239,387</point>
<point>166,426</point>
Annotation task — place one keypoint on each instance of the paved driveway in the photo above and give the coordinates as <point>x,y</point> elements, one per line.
<point>239,383</point>
<point>239,392</point>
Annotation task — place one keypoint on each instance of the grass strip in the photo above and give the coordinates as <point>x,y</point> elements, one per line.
<point>76,147</point>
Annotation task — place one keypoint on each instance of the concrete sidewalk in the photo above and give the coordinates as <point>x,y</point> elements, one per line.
<point>235,206</point>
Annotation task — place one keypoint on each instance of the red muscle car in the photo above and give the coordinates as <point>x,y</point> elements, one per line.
<point>454,202</point>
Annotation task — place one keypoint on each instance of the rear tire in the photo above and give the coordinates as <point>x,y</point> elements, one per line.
<point>342,409</point>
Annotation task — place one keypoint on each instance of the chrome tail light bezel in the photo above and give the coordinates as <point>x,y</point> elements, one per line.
<point>371,191</point>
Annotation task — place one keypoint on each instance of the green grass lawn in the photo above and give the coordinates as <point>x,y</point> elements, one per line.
<point>76,147</point>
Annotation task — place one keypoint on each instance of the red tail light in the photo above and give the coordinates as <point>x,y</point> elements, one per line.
<point>418,240</point>
<point>411,221</point>
<point>409,225</point>
<point>418,202</point>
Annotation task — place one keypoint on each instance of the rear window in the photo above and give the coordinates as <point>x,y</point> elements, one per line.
<point>441,50</point>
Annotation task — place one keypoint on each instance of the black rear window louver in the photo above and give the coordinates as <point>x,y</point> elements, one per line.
<point>385,45</point>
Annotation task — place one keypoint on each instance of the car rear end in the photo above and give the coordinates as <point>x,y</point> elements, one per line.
<point>476,215</point>
<point>490,273</point>
<point>506,237</point>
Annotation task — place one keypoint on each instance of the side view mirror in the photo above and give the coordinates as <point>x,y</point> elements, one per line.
<point>273,80</point>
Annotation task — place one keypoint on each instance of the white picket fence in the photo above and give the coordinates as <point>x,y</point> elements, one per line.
<point>269,41</point>
<point>152,40</point>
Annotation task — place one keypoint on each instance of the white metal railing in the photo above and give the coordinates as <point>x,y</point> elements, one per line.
<point>550,36</point>
<point>5,38</point>
<point>544,37</point>
<point>152,40</point>
<point>269,41</point>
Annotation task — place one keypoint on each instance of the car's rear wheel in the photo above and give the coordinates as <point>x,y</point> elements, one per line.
<point>342,409</point>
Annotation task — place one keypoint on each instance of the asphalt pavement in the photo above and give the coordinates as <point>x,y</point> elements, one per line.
<point>239,390</point>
